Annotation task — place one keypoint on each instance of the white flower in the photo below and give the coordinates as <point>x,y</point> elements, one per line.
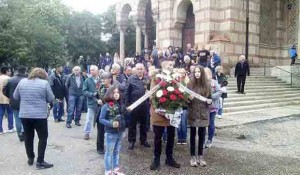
<point>175,75</point>
<point>181,89</point>
<point>167,72</point>
<point>168,78</point>
<point>170,89</point>
<point>159,93</point>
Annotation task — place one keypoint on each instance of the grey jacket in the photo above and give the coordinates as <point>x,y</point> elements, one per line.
<point>215,95</point>
<point>72,87</point>
<point>34,96</point>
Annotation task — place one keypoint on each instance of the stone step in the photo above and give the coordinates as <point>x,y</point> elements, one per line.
<point>256,81</point>
<point>242,98</point>
<point>260,87</point>
<point>250,91</point>
<point>260,94</point>
<point>260,102</point>
<point>233,84</point>
<point>260,106</point>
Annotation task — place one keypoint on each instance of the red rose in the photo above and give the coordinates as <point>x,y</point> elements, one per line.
<point>174,82</point>
<point>162,100</point>
<point>181,96</point>
<point>165,92</point>
<point>163,84</point>
<point>158,81</point>
<point>111,104</point>
<point>177,91</point>
<point>173,97</point>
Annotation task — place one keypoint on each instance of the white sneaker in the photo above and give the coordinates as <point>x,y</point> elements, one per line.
<point>11,130</point>
<point>3,132</point>
<point>219,116</point>
<point>208,144</point>
<point>193,161</point>
<point>118,172</point>
<point>201,161</point>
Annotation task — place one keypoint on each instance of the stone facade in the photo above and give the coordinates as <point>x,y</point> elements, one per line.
<point>221,24</point>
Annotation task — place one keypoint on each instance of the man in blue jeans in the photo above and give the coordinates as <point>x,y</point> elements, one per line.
<point>8,91</point>
<point>74,84</point>
<point>90,87</point>
<point>4,101</point>
<point>58,88</point>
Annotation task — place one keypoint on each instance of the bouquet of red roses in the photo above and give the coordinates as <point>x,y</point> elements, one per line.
<point>169,97</point>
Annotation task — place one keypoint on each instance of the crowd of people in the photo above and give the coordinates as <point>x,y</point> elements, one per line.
<point>104,89</point>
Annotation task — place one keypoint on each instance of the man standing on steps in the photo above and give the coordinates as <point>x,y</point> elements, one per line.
<point>241,71</point>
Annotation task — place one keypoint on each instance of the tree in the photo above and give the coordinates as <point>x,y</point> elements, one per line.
<point>84,35</point>
<point>32,32</point>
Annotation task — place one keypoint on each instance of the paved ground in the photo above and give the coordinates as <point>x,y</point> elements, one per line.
<point>271,147</point>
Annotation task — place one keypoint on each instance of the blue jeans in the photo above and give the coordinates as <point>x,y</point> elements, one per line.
<point>74,106</point>
<point>10,118</point>
<point>112,152</point>
<point>19,125</point>
<point>182,129</point>
<point>58,109</point>
<point>211,126</point>
<point>89,120</point>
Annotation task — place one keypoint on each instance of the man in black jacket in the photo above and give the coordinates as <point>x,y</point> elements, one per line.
<point>58,88</point>
<point>136,88</point>
<point>241,71</point>
<point>8,91</point>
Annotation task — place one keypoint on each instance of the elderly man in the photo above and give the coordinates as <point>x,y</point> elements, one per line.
<point>241,71</point>
<point>136,88</point>
<point>90,91</point>
<point>74,84</point>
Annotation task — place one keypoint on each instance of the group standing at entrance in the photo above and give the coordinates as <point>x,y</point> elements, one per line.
<point>106,94</point>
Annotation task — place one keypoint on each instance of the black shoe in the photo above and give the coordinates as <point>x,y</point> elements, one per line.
<point>100,152</point>
<point>61,120</point>
<point>77,124</point>
<point>243,93</point>
<point>238,92</point>
<point>131,145</point>
<point>21,137</point>
<point>68,125</point>
<point>43,165</point>
<point>172,163</point>
<point>146,144</point>
<point>30,161</point>
<point>155,165</point>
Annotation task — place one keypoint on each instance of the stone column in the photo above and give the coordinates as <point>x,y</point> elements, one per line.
<point>138,39</point>
<point>122,43</point>
<point>145,37</point>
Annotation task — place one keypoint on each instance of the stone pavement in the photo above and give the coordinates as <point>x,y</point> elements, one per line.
<point>258,115</point>
<point>72,155</point>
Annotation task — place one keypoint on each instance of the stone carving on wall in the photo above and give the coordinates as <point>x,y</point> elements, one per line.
<point>267,22</point>
<point>292,21</point>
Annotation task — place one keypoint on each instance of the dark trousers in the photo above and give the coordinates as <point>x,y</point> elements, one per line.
<point>241,79</point>
<point>41,127</point>
<point>100,136</point>
<point>158,133</point>
<point>293,61</point>
<point>201,139</point>
<point>138,115</point>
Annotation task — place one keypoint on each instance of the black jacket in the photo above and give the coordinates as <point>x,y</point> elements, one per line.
<point>57,85</point>
<point>242,69</point>
<point>135,89</point>
<point>9,89</point>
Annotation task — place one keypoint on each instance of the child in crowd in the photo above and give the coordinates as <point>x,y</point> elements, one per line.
<point>215,95</point>
<point>112,118</point>
<point>198,114</point>
<point>222,80</point>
